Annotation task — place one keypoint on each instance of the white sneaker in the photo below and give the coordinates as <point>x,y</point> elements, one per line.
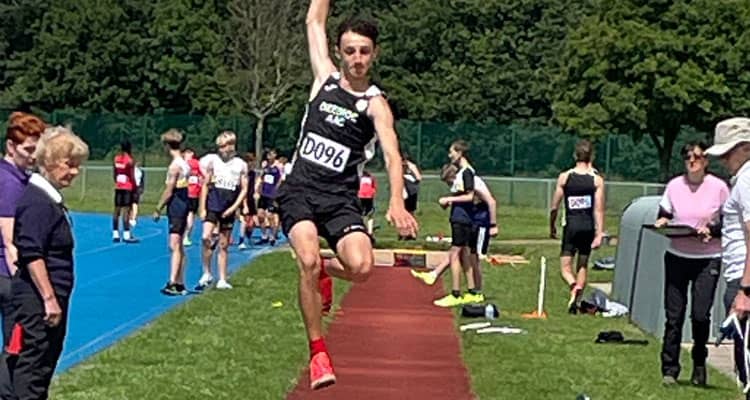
<point>132,223</point>
<point>242,246</point>
<point>222,284</point>
<point>206,280</point>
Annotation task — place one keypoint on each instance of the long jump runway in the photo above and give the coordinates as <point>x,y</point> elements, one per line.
<point>117,285</point>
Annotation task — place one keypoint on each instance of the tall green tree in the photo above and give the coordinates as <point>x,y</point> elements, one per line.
<point>267,60</point>
<point>187,45</point>
<point>646,67</point>
<point>480,60</point>
<point>86,54</point>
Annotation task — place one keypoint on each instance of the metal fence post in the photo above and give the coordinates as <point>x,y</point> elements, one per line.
<point>512,154</point>
<point>548,200</point>
<point>609,154</point>
<point>83,182</point>
<point>645,190</point>
<point>143,140</point>
<point>419,144</point>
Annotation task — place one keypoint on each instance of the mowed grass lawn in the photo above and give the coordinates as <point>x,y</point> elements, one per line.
<point>235,345</point>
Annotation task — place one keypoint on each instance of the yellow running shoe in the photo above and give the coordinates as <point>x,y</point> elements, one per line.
<point>448,301</point>
<point>469,298</point>
<point>427,277</point>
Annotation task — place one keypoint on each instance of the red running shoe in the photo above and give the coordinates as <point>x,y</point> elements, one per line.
<point>321,371</point>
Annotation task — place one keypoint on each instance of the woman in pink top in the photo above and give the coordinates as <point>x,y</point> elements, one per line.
<point>692,199</point>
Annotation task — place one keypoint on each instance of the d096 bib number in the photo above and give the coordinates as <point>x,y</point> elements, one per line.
<point>324,152</point>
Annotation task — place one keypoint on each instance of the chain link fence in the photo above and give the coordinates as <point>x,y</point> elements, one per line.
<point>496,150</point>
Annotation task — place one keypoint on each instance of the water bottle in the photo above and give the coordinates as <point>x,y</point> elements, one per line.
<point>491,312</point>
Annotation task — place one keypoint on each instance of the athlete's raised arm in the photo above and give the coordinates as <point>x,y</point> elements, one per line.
<point>317,42</point>
<point>382,118</point>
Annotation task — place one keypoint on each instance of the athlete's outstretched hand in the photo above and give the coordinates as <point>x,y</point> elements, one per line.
<point>404,222</point>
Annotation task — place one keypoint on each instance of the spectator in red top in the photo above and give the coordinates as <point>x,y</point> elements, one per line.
<point>368,187</point>
<point>124,176</point>
<point>195,183</point>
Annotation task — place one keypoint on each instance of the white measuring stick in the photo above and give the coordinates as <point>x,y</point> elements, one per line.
<point>542,283</point>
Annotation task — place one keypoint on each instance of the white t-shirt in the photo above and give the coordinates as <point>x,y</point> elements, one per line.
<point>138,176</point>
<point>735,212</point>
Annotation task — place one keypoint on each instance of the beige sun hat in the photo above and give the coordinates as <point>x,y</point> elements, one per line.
<point>728,134</point>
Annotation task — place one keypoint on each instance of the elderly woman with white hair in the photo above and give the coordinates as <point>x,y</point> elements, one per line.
<point>42,286</point>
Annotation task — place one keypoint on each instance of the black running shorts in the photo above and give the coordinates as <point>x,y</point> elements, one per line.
<point>193,204</point>
<point>251,207</point>
<point>123,198</point>
<point>576,240</point>
<point>480,240</point>
<point>410,203</point>
<point>461,234</point>
<point>268,204</point>
<point>335,215</point>
<point>368,206</point>
<point>224,224</point>
<point>177,213</point>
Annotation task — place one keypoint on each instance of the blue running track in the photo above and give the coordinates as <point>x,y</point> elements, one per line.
<point>117,285</point>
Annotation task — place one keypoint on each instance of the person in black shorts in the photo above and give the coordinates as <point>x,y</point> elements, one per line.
<point>344,117</point>
<point>224,190</point>
<point>140,186</point>
<point>368,188</point>
<point>175,198</point>
<point>249,206</point>
<point>461,202</point>
<point>268,185</point>
<point>412,178</point>
<point>583,191</point>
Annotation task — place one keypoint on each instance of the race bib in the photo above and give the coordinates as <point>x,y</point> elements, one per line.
<point>121,178</point>
<point>223,182</point>
<point>324,152</point>
<point>579,202</point>
<point>193,180</point>
<point>269,179</point>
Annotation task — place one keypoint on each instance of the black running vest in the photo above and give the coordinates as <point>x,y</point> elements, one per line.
<point>579,192</point>
<point>337,139</point>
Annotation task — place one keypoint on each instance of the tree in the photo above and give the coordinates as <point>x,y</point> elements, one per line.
<point>186,43</point>
<point>473,60</point>
<point>86,54</point>
<point>649,67</point>
<point>266,58</point>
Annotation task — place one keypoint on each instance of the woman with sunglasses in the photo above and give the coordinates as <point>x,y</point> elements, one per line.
<point>693,199</point>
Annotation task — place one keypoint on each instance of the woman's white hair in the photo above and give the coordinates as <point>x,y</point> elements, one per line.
<point>58,143</point>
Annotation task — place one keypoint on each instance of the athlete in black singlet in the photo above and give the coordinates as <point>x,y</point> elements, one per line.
<point>582,189</point>
<point>344,118</point>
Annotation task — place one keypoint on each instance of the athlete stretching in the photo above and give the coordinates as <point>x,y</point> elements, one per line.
<point>344,118</point>
<point>583,192</point>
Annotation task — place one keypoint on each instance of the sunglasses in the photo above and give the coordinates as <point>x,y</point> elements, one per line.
<point>697,157</point>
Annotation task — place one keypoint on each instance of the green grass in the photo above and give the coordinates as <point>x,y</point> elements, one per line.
<point>558,358</point>
<point>229,345</point>
<point>220,345</point>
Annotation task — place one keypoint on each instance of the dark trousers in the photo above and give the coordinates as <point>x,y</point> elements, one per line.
<point>739,355</point>
<point>32,369</point>
<point>6,389</point>
<point>680,272</point>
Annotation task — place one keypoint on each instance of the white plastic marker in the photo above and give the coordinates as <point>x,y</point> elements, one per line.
<point>506,330</point>
<point>474,325</point>
<point>542,284</point>
<point>539,312</point>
